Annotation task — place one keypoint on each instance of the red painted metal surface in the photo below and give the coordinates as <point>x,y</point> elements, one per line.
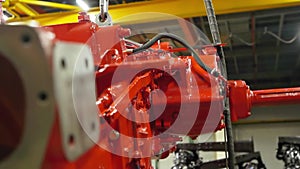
<point>112,94</point>
<point>276,96</point>
<point>110,42</point>
<point>242,99</point>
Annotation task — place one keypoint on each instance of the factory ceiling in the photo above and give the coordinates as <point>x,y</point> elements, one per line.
<point>262,46</point>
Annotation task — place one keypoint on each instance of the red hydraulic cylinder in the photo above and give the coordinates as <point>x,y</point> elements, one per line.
<point>239,95</point>
<point>276,96</point>
<point>242,99</point>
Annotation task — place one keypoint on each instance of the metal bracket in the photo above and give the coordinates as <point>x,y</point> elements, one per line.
<point>21,46</point>
<point>107,22</point>
<point>74,84</point>
<point>103,18</point>
<point>240,146</point>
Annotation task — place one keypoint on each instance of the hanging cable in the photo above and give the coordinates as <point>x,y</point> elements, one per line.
<point>160,36</point>
<point>233,36</point>
<point>279,38</point>
<point>133,43</point>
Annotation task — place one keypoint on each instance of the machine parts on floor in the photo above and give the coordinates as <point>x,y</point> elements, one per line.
<point>289,152</point>
<point>187,156</point>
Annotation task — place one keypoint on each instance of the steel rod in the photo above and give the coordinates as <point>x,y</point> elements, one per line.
<point>276,96</point>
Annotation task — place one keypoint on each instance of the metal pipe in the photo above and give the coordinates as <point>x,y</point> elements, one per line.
<point>276,96</point>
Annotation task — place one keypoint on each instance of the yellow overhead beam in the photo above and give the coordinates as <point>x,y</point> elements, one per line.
<point>26,9</point>
<point>50,4</point>
<point>180,8</point>
<point>19,8</point>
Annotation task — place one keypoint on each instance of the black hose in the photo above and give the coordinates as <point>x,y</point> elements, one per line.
<point>159,36</point>
<point>230,139</point>
<point>211,16</point>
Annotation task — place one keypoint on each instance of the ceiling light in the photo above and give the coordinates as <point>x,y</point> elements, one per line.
<point>83,5</point>
<point>93,18</point>
<point>5,17</point>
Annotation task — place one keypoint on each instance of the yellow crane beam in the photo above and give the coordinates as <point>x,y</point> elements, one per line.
<point>49,4</point>
<point>180,8</point>
<point>24,8</point>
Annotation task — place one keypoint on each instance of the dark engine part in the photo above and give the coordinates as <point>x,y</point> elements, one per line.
<point>186,159</point>
<point>289,151</point>
<point>246,161</point>
<point>186,156</point>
